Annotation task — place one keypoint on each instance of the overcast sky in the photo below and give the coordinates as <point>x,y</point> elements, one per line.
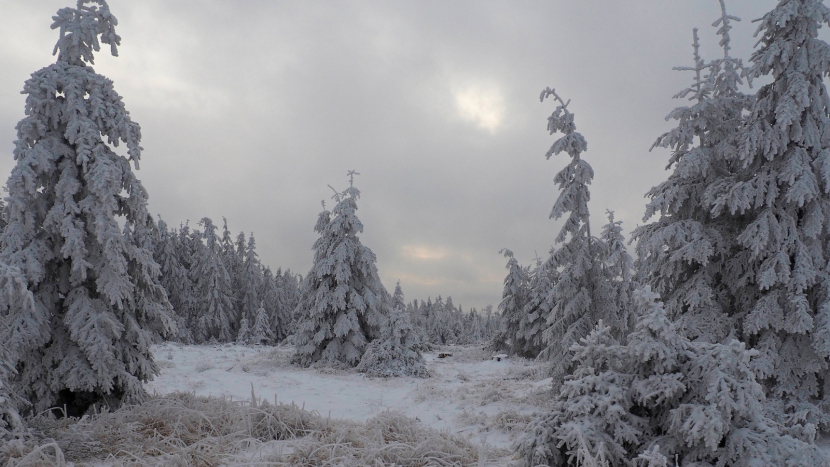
<point>250,109</point>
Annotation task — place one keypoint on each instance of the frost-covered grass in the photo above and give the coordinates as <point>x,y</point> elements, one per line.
<point>202,414</point>
<point>182,429</point>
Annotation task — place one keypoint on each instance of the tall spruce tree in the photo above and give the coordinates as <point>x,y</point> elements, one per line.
<point>513,300</point>
<point>214,315</point>
<point>343,303</point>
<point>67,193</point>
<point>574,299</point>
<point>684,255</point>
<point>779,196</point>
<point>174,279</point>
<point>250,284</point>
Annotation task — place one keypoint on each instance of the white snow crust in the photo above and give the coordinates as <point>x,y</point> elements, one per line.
<point>469,393</point>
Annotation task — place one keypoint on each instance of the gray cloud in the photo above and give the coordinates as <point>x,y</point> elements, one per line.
<point>250,109</point>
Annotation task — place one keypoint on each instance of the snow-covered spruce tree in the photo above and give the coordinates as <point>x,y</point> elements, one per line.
<point>271,302</point>
<point>343,303</point>
<point>243,333</point>
<point>148,293</point>
<point>664,397</point>
<point>288,285</point>
<point>781,197</point>
<point>394,352</point>
<point>513,299</point>
<point>576,303</point>
<point>23,325</point>
<point>536,310</point>
<point>684,254</point>
<point>174,280</point>
<point>67,192</point>
<point>3,221</point>
<point>617,283</point>
<point>213,312</point>
<point>250,283</point>
<point>260,332</point>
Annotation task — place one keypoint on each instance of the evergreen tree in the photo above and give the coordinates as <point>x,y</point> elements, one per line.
<point>3,221</point>
<point>342,305</point>
<point>67,192</point>
<point>514,297</point>
<point>616,286</point>
<point>574,299</point>
<point>663,397</point>
<point>251,275</point>
<point>242,336</point>
<point>684,254</point>
<point>214,312</point>
<point>174,279</point>
<point>397,297</point>
<point>394,352</point>
<point>23,325</point>
<point>288,286</point>
<point>261,331</point>
<point>780,198</point>
<point>535,312</point>
<point>271,302</point>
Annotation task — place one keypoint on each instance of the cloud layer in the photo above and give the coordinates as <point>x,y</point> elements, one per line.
<point>250,109</point>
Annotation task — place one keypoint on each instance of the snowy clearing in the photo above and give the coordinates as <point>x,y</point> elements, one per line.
<point>468,394</point>
<point>204,413</point>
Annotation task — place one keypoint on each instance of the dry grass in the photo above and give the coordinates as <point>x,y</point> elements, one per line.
<point>182,429</point>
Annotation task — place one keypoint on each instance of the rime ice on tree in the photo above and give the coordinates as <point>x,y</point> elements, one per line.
<point>577,300</point>
<point>342,303</point>
<point>684,254</point>
<point>67,192</point>
<point>395,351</point>
<point>214,315</point>
<point>780,197</point>
<point>661,397</point>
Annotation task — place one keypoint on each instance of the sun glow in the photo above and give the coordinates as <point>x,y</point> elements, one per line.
<point>481,105</point>
<point>423,253</point>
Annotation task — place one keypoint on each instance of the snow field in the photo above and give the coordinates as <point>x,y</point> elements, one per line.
<point>229,405</point>
<point>468,394</point>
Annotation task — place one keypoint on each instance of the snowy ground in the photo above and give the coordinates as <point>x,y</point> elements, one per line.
<point>469,393</point>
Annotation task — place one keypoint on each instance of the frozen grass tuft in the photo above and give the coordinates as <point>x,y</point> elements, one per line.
<point>182,429</point>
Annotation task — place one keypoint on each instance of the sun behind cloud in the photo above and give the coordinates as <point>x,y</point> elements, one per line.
<point>482,105</point>
<point>423,252</point>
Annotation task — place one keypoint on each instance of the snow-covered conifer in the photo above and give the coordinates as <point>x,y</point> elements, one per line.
<point>243,334</point>
<point>261,333</point>
<point>251,280</point>
<point>684,254</point>
<point>174,280</point>
<point>343,303</point>
<point>288,285</point>
<point>662,396</point>
<point>617,285</point>
<point>780,198</point>
<point>23,326</point>
<point>397,297</point>
<point>394,352</point>
<point>214,313</point>
<point>573,301</point>
<point>271,303</point>
<point>67,192</point>
<point>534,317</point>
<point>513,299</point>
